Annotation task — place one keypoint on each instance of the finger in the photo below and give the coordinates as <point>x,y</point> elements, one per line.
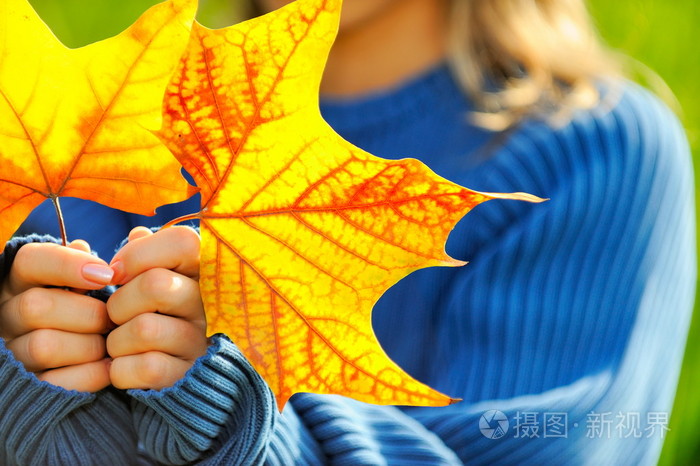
<point>80,245</point>
<point>139,232</point>
<point>88,377</point>
<point>48,349</point>
<point>41,264</point>
<point>53,308</point>
<point>156,332</point>
<point>175,248</point>
<point>146,371</point>
<point>158,290</point>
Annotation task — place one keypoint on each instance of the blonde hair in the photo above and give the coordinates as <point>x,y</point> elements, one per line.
<point>518,58</point>
<point>522,57</point>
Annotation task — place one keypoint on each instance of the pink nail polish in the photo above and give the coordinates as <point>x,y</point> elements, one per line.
<point>97,273</point>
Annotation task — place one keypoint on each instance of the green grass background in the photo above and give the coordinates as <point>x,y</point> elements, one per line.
<point>661,34</point>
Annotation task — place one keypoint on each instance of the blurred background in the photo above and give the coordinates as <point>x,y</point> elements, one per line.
<point>660,38</point>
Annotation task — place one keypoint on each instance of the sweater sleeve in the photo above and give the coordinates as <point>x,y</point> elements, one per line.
<point>568,324</point>
<point>571,320</point>
<point>45,424</point>
<point>221,410</point>
<point>223,413</point>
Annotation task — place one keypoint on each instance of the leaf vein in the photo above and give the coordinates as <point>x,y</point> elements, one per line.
<point>301,316</point>
<point>107,109</point>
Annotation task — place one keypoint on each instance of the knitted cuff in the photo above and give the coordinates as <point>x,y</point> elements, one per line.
<point>30,409</point>
<point>220,409</point>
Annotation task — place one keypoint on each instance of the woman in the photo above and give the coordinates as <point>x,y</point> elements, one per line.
<point>568,323</point>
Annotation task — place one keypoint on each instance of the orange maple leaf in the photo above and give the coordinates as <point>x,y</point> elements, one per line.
<point>78,122</point>
<point>301,231</point>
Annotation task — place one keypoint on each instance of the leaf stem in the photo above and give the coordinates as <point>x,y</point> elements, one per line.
<point>183,218</point>
<point>61,222</point>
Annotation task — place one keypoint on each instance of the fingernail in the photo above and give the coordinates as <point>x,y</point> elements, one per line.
<point>98,273</point>
<point>118,270</point>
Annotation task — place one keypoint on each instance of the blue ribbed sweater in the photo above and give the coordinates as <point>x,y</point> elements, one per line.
<point>578,306</point>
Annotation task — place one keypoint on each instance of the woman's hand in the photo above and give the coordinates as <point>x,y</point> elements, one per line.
<point>159,311</point>
<point>57,334</point>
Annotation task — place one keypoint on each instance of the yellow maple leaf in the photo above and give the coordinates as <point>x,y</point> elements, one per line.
<point>78,122</point>
<point>301,231</point>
